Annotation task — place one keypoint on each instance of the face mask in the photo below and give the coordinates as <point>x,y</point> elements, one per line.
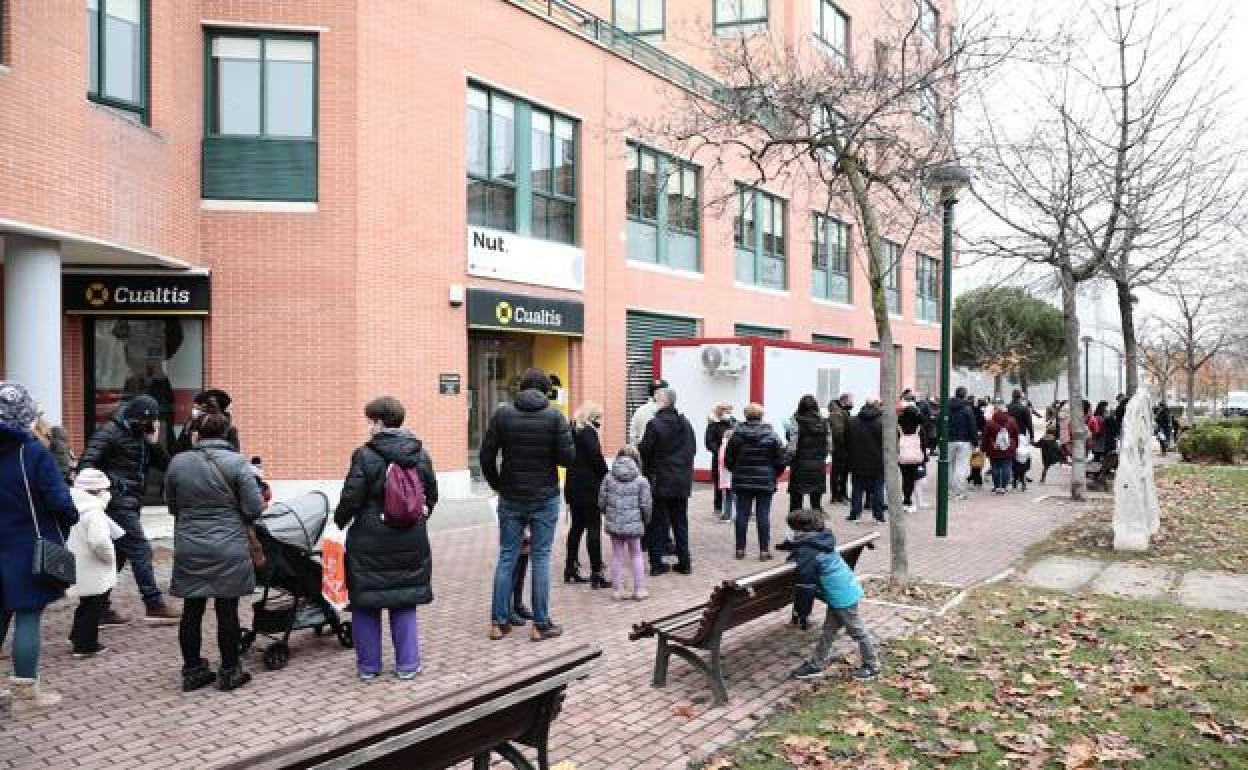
<point>105,496</point>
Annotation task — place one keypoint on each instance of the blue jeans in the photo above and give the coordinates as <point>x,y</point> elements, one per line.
<point>25,640</point>
<point>861,486</point>
<point>760,502</point>
<point>1002,470</point>
<point>134,547</point>
<point>542,519</point>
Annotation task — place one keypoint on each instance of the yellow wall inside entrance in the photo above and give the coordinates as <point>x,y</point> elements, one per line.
<point>550,353</point>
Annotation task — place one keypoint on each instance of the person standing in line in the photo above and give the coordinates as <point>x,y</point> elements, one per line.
<point>388,567</point>
<point>626,504</point>
<point>1020,411</point>
<point>125,448</point>
<point>808,444</point>
<point>719,422</point>
<point>667,449</point>
<point>95,560</point>
<point>911,453</point>
<point>963,437</point>
<point>756,457</point>
<point>1164,426</point>
<point>723,481</point>
<point>34,503</point>
<point>1000,444</point>
<point>838,426</point>
<point>644,414</point>
<point>866,450</point>
<point>534,440</point>
<point>581,492</point>
<point>213,401</point>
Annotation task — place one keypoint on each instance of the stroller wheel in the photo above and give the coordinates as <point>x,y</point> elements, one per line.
<point>244,644</point>
<point>276,656</point>
<point>344,635</point>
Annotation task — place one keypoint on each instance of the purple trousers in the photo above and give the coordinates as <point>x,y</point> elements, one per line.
<point>404,633</point>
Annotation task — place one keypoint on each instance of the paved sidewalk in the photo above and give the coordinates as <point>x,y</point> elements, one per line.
<point>1204,589</point>
<point>125,709</point>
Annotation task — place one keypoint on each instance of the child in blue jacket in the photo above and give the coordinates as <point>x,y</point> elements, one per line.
<point>822,573</point>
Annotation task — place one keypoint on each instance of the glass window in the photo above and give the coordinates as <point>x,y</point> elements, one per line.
<point>477,135</point>
<point>540,152</point>
<point>832,28</point>
<point>926,372</point>
<point>927,287</point>
<point>662,208</point>
<point>892,275</point>
<point>760,239</point>
<point>502,138</point>
<point>929,108</point>
<point>740,15</point>
<point>116,53</point>
<point>290,88</point>
<point>649,186</point>
<point>263,86</point>
<point>643,18</point>
<point>830,259</point>
<point>929,21</point>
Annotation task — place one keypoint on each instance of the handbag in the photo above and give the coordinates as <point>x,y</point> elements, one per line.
<point>258,559</point>
<point>53,563</point>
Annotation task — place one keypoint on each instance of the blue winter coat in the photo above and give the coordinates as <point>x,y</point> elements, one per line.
<point>55,508</point>
<point>820,567</point>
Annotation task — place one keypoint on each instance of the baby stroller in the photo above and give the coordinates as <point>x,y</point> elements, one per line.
<point>291,579</point>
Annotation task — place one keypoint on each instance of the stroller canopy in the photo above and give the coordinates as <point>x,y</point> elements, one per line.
<point>299,521</point>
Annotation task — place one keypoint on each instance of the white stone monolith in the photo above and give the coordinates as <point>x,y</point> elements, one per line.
<point>1137,513</point>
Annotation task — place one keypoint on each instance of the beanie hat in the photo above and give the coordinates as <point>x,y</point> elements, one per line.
<point>16,405</point>
<point>92,480</point>
<point>142,408</point>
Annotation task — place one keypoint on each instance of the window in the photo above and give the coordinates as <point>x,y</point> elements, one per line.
<point>760,240</point>
<point>831,339</point>
<point>754,330</point>
<point>926,372</point>
<point>891,266</point>
<point>663,209</point>
<point>832,28</point>
<point>4,31</point>
<point>739,16</point>
<point>643,18</point>
<point>830,259</point>
<point>117,59</point>
<point>929,108</point>
<point>927,287</point>
<point>533,192</point>
<point>929,21</point>
<point>261,141</point>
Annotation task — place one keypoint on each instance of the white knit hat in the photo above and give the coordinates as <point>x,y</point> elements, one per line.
<point>92,480</point>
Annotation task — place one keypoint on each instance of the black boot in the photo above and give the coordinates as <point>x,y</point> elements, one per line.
<point>232,678</point>
<point>597,581</point>
<point>572,573</point>
<point>197,676</point>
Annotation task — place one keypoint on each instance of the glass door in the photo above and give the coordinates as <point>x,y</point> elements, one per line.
<point>495,363</point>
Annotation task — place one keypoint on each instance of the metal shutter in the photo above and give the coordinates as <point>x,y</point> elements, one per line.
<point>641,330</point>
<point>749,330</point>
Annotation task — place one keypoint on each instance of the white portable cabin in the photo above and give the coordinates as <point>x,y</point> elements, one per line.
<point>772,372</point>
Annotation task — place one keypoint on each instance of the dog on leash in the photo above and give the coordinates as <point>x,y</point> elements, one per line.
<point>1051,453</point>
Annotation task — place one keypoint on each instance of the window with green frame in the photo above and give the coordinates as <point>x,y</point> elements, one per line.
<point>892,276</point>
<point>643,18</point>
<point>261,116</point>
<point>754,330</point>
<point>829,250</point>
<point>833,340</point>
<point>926,287</point>
<point>663,209</point>
<point>832,29</point>
<point>520,167</point>
<point>929,21</point>
<point>117,54</point>
<point>758,233</point>
<point>739,16</point>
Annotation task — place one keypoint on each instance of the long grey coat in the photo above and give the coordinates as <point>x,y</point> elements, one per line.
<point>210,555</point>
<point>624,499</point>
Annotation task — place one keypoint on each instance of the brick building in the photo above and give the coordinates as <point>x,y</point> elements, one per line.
<point>311,203</point>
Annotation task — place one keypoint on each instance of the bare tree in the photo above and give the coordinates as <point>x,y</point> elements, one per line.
<point>862,132</point>
<point>1199,327</point>
<point>1160,355</point>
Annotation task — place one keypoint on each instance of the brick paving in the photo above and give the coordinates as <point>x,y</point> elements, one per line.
<point>125,708</point>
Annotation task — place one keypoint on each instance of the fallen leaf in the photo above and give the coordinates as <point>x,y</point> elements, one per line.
<point>685,710</point>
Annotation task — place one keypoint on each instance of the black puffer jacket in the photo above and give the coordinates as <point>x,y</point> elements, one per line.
<point>962,423</point>
<point>386,567</point>
<point>866,443</point>
<point>808,468</point>
<point>534,438</point>
<point>119,449</point>
<point>715,430</point>
<point>1021,413</point>
<point>667,449</point>
<point>586,473</point>
<point>755,456</point>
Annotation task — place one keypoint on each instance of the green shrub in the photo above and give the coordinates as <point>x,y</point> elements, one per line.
<point>1218,441</point>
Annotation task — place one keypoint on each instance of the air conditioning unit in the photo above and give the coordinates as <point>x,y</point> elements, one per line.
<point>723,360</point>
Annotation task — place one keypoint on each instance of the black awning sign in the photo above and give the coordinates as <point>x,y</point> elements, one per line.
<point>518,312</point>
<point>173,294</point>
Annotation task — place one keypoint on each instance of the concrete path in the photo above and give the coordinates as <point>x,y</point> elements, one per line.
<point>1197,588</point>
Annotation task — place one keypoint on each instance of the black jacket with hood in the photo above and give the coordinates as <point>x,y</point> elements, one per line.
<point>667,449</point>
<point>866,443</point>
<point>755,456</point>
<point>586,473</point>
<point>534,439</point>
<point>962,423</point>
<point>122,452</point>
<point>808,468</point>
<point>386,567</point>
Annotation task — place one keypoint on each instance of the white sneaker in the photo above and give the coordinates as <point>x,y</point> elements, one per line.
<point>908,508</point>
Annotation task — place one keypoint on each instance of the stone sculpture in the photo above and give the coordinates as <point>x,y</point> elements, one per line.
<point>1137,513</point>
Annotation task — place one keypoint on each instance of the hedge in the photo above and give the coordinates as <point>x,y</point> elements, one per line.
<point>1217,441</point>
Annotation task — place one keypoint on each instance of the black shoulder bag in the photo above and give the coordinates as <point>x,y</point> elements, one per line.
<point>53,563</point>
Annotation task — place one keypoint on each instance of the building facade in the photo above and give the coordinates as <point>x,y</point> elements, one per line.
<point>310,204</point>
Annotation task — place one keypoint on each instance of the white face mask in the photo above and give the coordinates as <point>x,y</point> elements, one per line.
<point>105,496</point>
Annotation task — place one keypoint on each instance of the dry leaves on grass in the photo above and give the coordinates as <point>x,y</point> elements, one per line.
<point>917,593</point>
<point>1090,752</point>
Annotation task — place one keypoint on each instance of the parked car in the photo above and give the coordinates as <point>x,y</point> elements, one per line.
<point>1236,404</point>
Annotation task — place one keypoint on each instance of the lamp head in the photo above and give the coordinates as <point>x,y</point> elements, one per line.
<point>947,180</point>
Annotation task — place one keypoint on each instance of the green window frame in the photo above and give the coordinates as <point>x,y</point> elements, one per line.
<point>832,28</point>
<point>829,249</point>
<point>638,17</point>
<point>892,275</point>
<point>759,236</point>
<point>521,164</point>
<point>108,21</point>
<point>832,340</point>
<point>261,115</point>
<point>740,16</point>
<point>755,330</point>
<point>663,201</point>
<point>927,287</point>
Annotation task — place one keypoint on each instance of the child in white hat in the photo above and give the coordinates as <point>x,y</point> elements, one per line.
<point>91,541</point>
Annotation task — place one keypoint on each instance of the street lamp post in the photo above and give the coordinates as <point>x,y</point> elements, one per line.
<point>947,180</point>
<point>1087,368</point>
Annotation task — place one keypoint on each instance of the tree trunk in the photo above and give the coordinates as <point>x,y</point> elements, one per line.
<point>1074,389</point>
<point>1130,351</point>
<point>1189,414</point>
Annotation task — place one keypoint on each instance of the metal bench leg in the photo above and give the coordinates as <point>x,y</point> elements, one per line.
<point>513,755</point>
<point>718,686</point>
<point>662,654</point>
<point>481,762</point>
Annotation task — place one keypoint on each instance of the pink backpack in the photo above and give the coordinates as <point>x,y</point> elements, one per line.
<point>909,449</point>
<point>403,506</point>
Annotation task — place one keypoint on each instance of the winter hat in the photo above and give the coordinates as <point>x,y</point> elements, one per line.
<point>92,480</point>
<point>142,408</point>
<point>16,405</point>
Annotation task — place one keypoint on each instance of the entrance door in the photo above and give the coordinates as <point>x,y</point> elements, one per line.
<point>495,363</point>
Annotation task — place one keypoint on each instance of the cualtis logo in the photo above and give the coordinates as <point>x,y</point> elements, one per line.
<point>502,311</point>
<point>97,295</point>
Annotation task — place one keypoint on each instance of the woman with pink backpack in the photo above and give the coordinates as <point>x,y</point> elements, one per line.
<point>911,452</point>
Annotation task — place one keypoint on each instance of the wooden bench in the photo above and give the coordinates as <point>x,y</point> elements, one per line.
<point>441,731</point>
<point>733,603</point>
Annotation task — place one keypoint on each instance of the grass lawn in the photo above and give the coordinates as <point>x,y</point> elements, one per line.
<point>1019,678</point>
<point>1204,523</point>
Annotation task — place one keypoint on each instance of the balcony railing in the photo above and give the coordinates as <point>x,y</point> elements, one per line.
<point>621,43</point>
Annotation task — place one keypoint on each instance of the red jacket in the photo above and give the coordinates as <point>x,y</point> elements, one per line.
<point>1001,421</point>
